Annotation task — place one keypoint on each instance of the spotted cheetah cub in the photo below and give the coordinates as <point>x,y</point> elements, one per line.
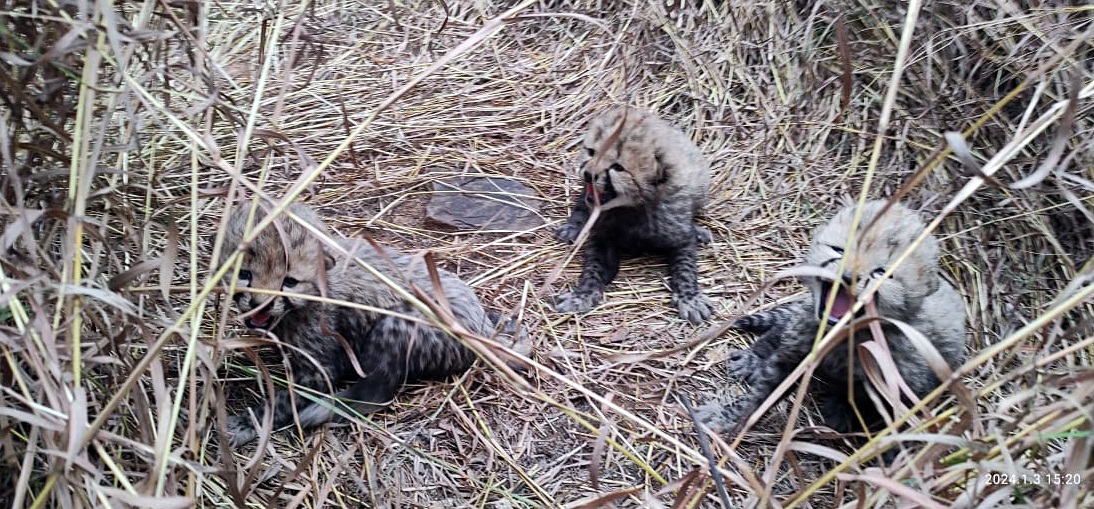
<point>328,344</point>
<point>650,181</point>
<point>913,293</point>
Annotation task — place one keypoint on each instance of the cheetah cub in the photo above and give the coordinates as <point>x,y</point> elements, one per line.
<point>326,343</point>
<point>914,293</point>
<point>650,181</point>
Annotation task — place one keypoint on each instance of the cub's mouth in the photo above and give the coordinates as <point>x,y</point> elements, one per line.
<point>591,194</point>
<point>842,304</point>
<point>257,317</point>
<point>259,320</point>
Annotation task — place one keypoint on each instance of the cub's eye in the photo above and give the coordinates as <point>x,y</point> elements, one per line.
<point>878,272</point>
<point>615,167</point>
<point>838,250</point>
<point>289,282</point>
<point>245,274</point>
<point>589,151</point>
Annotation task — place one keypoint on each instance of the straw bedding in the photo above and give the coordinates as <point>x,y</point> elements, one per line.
<point>129,128</point>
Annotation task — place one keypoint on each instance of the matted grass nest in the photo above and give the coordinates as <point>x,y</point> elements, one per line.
<point>129,127</point>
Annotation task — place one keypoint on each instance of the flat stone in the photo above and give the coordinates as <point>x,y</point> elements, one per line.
<point>478,202</point>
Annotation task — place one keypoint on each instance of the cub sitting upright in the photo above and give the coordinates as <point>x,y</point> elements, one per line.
<point>324,340</point>
<point>912,292</point>
<point>650,181</point>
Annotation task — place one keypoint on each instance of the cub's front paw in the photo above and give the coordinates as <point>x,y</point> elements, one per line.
<point>693,308</point>
<point>576,302</point>
<point>568,232</point>
<point>240,430</point>
<point>745,364</point>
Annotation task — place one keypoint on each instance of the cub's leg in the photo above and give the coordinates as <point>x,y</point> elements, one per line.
<point>728,417</point>
<point>601,266</point>
<point>749,364</point>
<point>690,302</point>
<point>305,374</point>
<point>578,216</point>
<point>771,325</point>
<point>363,397</point>
<point>778,316</point>
<point>767,373</point>
<point>396,352</point>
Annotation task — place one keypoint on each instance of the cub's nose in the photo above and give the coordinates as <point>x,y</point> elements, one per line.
<point>588,177</point>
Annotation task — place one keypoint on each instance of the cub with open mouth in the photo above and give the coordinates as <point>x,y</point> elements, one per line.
<point>650,180</point>
<point>350,338</point>
<point>912,292</point>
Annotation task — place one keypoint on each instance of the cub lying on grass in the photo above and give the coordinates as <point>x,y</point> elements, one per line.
<point>385,335</point>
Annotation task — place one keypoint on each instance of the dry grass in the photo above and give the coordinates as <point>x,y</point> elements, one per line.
<point>128,128</point>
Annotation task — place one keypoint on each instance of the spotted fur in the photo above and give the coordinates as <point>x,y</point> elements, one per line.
<point>286,267</point>
<point>650,180</point>
<point>914,293</point>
